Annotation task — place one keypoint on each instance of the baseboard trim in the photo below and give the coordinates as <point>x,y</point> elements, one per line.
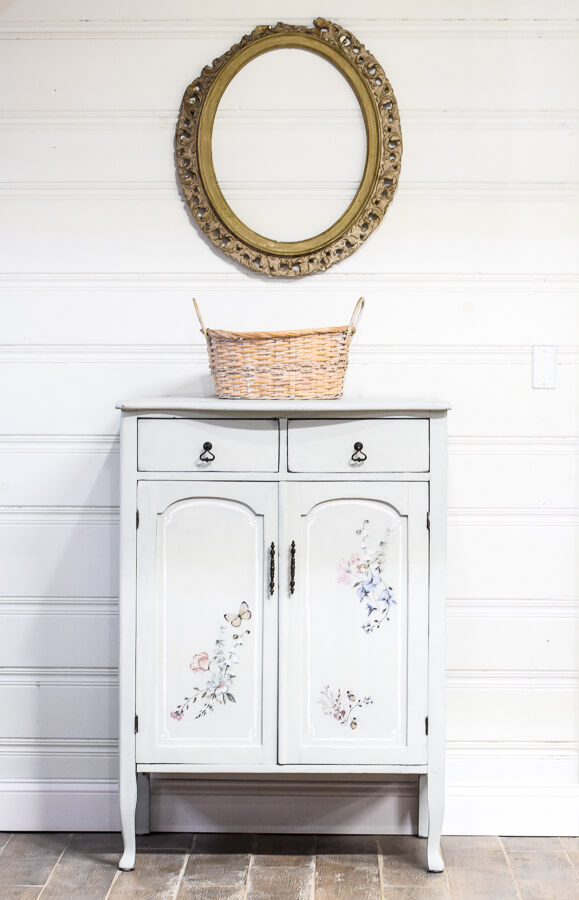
<point>535,810</point>
<point>303,807</point>
<point>59,804</point>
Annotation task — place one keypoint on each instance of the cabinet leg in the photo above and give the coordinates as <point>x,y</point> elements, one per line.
<point>142,819</point>
<point>128,804</point>
<point>423,806</point>
<point>435,801</point>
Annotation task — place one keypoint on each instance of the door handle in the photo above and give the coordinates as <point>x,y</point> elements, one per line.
<point>292,585</point>
<point>272,569</point>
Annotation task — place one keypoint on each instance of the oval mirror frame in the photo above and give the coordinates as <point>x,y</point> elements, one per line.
<point>193,147</point>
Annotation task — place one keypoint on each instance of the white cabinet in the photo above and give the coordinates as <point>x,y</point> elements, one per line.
<point>282,593</point>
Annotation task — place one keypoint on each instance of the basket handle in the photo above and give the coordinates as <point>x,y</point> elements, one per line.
<point>203,329</point>
<point>356,315</point>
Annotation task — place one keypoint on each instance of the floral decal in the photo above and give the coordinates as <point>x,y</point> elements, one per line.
<point>363,571</point>
<point>341,707</point>
<point>200,662</point>
<point>218,687</point>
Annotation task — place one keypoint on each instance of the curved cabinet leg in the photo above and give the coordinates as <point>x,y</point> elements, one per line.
<point>128,804</point>
<point>435,799</point>
<point>434,856</point>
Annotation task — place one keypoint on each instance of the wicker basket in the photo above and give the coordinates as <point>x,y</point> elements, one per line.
<point>309,364</point>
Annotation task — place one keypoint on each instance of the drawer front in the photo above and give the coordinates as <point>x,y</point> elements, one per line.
<point>237,445</point>
<point>388,445</point>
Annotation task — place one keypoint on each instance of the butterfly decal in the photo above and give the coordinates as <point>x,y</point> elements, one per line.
<point>235,620</point>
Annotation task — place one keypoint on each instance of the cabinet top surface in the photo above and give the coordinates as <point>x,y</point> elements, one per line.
<point>291,407</point>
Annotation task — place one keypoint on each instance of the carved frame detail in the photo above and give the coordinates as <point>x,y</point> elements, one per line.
<point>193,146</point>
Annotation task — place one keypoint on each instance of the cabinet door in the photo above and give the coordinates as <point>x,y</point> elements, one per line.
<point>354,632</point>
<point>205,616</point>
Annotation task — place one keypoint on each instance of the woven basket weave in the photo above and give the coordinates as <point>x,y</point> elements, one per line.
<point>309,364</point>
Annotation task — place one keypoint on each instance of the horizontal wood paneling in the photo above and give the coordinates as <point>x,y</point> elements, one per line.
<point>463,49</point>
<point>526,476</point>
<point>522,608</point>
<point>231,279</point>
<point>489,707</point>
<point>511,762</point>
<point>33,636</point>
<point>513,643</point>
<point>53,703</point>
<point>58,553</point>
<point>137,11</point>
<point>487,234</point>
<point>508,560</point>
<point>42,758</point>
<point>75,148</point>
<point>93,398</point>
<point>476,409</point>
<point>261,194</point>
<point>400,309</point>
<point>360,355</point>
<point>140,28</point>
<point>295,200</point>
<point>59,470</point>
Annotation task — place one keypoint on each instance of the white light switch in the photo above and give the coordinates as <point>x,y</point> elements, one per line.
<point>544,367</point>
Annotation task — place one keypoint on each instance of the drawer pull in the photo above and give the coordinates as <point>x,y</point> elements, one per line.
<point>207,455</point>
<point>357,455</point>
<point>272,568</point>
<point>292,567</point>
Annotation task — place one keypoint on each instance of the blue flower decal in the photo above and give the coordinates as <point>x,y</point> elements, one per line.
<point>364,571</point>
<point>368,587</point>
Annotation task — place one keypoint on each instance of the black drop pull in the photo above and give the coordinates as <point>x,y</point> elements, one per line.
<point>357,455</point>
<point>207,455</point>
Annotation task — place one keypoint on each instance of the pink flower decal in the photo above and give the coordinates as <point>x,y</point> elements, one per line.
<point>350,570</point>
<point>344,574</point>
<point>177,715</point>
<point>200,662</point>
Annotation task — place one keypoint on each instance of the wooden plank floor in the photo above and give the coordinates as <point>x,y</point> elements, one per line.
<point>82,866</point>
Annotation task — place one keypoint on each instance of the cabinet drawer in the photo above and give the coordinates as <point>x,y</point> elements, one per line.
<point>389,445</point>
<point>238,445</point>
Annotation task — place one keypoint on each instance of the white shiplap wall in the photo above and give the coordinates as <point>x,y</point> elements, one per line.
<point>476,262</point>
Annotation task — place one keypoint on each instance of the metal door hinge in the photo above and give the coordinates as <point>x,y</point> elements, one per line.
<point>426,725</point>
<point>138,518</point>
<point>428,520</point>
<point>136,724</point>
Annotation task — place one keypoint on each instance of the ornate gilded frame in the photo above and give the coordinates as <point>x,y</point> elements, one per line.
<point>193,144</point>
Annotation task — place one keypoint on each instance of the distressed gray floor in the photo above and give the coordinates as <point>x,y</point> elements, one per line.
<point>82,866</point>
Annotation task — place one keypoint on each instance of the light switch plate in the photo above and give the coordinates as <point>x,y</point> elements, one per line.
<point>544,367</point>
